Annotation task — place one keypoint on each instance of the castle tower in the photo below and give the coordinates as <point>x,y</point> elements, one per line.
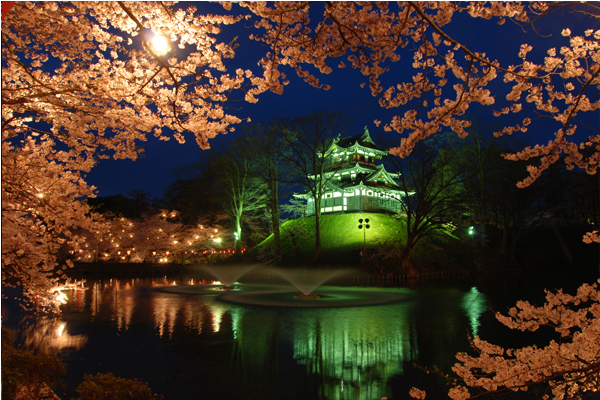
<point>355,180</point>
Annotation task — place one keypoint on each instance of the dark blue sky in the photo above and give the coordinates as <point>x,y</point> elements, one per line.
<point>153,173</point>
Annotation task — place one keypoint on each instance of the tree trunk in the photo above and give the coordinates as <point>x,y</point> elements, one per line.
<point>317,235</point>
<point>406,254</point>
<point>238,230</point>
<point>275,219</point>
<point>276,232</point>
<point>406,264</point>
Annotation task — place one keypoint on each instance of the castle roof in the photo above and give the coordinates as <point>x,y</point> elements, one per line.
<point>349,186</point>
<point>363,140</point>
<point>381,174</point>
<point>357,167</point>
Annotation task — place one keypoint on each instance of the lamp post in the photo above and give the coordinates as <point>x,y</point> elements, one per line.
<point>364,228</point>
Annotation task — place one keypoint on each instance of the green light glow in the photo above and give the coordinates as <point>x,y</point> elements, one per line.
<point>361,348</point>
<point>474,304</point>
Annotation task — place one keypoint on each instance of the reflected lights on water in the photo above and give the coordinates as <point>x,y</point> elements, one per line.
<point>474,304</point>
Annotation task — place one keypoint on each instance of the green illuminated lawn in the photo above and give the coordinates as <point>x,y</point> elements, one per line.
<point>341,240</point>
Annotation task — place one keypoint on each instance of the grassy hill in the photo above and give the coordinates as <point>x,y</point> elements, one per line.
<point>342,242</point>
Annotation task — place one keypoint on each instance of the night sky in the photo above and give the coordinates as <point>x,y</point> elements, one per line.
<point>153,172</point>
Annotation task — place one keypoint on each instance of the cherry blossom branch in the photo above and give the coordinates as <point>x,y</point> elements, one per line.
<point>277,12</point>
<point>474,56</point>
<point>146,46</point>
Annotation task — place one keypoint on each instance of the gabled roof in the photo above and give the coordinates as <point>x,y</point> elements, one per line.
<point>372,173</point>
<point>360,168</point>
<point>381,173</point>
<point>363,140</point>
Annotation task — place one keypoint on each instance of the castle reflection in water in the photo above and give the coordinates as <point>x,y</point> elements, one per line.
<point>346,352</point>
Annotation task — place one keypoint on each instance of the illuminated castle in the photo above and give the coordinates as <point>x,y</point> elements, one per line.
<point>354,180</point>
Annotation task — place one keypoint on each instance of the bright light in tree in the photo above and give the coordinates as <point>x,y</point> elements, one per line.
<point>61,298</point>
<point>160,45</point>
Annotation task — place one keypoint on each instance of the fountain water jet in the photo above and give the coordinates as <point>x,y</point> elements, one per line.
<point>228,274</point>
<point>307,280</point>
<point>303,280</point>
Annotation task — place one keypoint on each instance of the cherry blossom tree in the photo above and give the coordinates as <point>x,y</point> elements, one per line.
<point>152,238</point>
<point>85,81</point>
<point>40,212</point>
<point>558,85</point>
<point>568,367</point>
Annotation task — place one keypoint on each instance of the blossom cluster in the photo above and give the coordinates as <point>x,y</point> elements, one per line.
<point>152,238</point>
<point>569,366</point>
<point>82,82</point>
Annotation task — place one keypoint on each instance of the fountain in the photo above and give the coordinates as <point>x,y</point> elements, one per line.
<point>307,280</point>
<point>278,295</point>
<point>228,275</point>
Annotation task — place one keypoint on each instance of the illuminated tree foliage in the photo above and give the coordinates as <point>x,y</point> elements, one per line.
<point>110,387</point>
<point>237,187</point>
<point>267,146</point>
<point>153,238</point>
<point>84,81</point>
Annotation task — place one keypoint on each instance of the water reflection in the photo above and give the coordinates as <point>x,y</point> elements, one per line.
<point>474,304</point>
<point>46,335</point>
<point>357,346</point>
<point>123,304</point>
<point>193,315</point>
<point>360,346</point>
<point>96,299</point>
<point>165,308</point>
<point>216,310</point>
<point>270,352</point>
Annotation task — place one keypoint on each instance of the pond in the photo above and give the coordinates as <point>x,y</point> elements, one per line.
<point>188,338</point>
